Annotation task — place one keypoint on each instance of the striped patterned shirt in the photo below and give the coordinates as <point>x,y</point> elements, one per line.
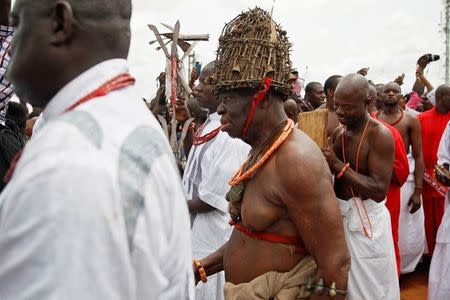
<point>6,89</point>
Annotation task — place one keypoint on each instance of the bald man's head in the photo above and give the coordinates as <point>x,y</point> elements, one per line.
<point>353,88</point>
<point>443,98</point>
<point>64,38</point>
<point>85,9</point>
<point>351,99</point>
<point>373,98</point>
<point>291,110</point>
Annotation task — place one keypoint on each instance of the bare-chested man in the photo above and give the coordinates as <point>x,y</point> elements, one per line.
<point>285,216</point>
<point>410,129</point>
<point>362,155</point>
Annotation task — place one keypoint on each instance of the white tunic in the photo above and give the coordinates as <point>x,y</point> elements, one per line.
<point>95,209</point>
<point>411,227</point>
<point>439,277</point>
<point>411,231</point>
<point>207,172</point>
<point>373,271</point>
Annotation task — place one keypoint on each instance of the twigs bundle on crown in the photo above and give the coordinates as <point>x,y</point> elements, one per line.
<point>251,47</point>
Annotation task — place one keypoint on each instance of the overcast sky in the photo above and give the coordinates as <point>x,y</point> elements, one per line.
<point>329,37</point>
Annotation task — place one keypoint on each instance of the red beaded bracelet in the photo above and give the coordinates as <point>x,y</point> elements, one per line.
<point>344,169</point>
<point>201,270</point>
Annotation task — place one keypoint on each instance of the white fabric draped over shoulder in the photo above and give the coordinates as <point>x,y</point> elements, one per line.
<point>439,277</point>
<point>95,208</point>
<point>207,172</point>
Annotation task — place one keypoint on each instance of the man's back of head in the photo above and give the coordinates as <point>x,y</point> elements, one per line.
<point>291,109</point>
<point>65,38</point>
<point>330,85</point>
<point>443,98</point>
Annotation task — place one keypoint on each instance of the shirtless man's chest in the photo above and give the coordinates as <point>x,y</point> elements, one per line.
<point>352,149</point>
<point>402,124</point>
<point>246,257</point>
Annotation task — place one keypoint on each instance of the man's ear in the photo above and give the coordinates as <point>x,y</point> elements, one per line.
<point>62,22</point>
<point>368,101</point>
<point>266,101</point>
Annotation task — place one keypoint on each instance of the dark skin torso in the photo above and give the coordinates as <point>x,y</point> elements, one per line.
<point>333,122</point>
<point>404,126</point>
<point>246,258</point>
<point>263,210</point>
<point>352,140</point>
<point>411,132</point>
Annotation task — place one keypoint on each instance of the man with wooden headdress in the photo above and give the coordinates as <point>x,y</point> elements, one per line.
<point>288,240</point>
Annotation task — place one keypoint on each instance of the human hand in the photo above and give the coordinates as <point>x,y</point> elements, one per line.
<point>415,201</point>
<point>442,174</point>
<point>196,274</point>
<point>330,156</point>
<point>399,79</point>
<point>194,75</point>
<point>363,71</point>
<point>182,113</point>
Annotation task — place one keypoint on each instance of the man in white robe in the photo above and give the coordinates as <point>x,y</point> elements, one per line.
<point>361,184</point>
<point>373,273</point>
<point>94,208</point>
<point>211,163</point>
<point>439,277</point>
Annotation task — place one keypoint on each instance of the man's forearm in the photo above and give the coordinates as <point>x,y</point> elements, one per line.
<point>362,184</point>
<point>418,87</point>
<point>197,206</point>
<point>213,263</point>
<point>418,172</point>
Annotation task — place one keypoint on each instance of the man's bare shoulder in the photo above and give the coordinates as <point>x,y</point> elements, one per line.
<point>411,119</point>
<point>300,152</point>
<point>379,134</point>
<point>300,167</point>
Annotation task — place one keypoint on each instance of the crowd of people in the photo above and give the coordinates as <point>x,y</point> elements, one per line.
<point>219,194</point>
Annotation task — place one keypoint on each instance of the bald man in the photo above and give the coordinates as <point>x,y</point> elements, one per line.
<point>94,208</point>
<point>291,110</point>
<point>361,156</point>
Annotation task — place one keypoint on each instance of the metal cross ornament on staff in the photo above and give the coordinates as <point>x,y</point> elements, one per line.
<point>175,84</point>
<point>174,65</point>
